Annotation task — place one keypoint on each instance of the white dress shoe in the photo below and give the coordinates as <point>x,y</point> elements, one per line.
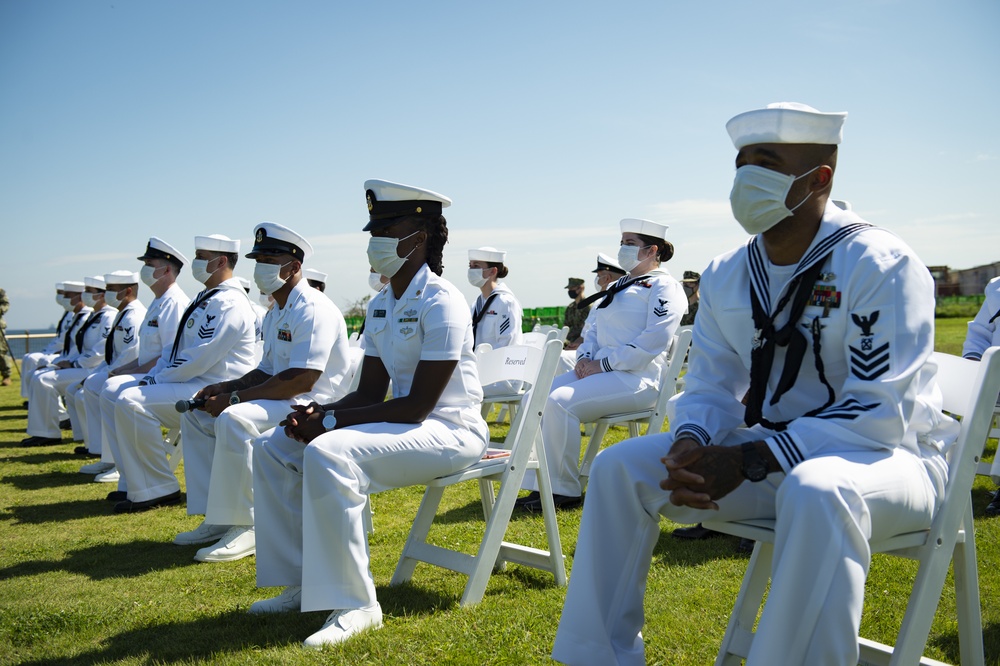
<point>111,476</point>
<point>343,624</point>
<point>289,600</point>
<point>97,468</point>
<point>237,543</point>
<point>201,534</point>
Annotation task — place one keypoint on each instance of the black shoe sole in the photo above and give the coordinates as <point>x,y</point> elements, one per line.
<point>128,506</point>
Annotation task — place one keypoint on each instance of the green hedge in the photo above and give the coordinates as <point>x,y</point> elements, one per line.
<point>958,306</point>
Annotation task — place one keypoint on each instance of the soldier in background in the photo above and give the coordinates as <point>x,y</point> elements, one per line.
<point>4,351</point>
<point>576,315</point>
<point>690,283</point>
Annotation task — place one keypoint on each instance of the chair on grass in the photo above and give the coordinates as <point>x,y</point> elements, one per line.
<point>653,417</point>
<point>992,468</point>
<point>172,443</point>
<point>507,363</point>
<point>562,333</point>
<point>970,390</point>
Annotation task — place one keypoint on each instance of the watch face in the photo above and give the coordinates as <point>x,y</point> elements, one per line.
<point>234,399</point>
<point>330,421</point>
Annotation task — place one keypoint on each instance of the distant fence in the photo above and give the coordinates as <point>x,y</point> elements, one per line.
<point>22,343</point>
<point>530,317</point>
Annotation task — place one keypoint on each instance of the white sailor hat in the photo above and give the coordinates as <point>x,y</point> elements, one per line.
<point>94,282</point>
<point>73,285</point>
<point>631,225</point>
<point>60,286</point>
<point>121,277</point>
<point>488,254</point>
<point>217,243</point>
<point>272,238</point>
<point>244,282</point>
<point>388,201</point>
<point>606,263</point>
<point>314,275</point>
<point>157,248</point>
<point>786,122</point>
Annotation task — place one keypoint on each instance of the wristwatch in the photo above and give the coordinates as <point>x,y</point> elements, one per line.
<point>754,466</point>
<point>329,420</point>
<point>234,398</point>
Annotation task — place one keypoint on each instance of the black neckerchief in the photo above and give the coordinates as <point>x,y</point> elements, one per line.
<point>201,298</point>
<point>95,316</point>
<point>477,316</point>
<point>109,344</point>
<point>608,295</point>
<point>994,317</point>
<point>67,340</point>
<point>766,337</point>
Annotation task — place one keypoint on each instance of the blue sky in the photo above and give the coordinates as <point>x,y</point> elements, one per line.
<point>546,122</point>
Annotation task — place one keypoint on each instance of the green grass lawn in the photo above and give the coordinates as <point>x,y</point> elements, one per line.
<point>80,585</point>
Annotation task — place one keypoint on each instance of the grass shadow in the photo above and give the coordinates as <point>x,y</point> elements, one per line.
<point>23,455</point>
<point>49,480</point>
<point>38,514</point>
<point>100,562</point>
<point>948,643</point>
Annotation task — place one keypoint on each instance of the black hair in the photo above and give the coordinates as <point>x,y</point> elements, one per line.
<point>437,237</point>
<point>501,269</point>
<point>665,248</point>
<point>231,256</point>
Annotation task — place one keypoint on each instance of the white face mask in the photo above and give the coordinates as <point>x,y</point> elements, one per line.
<point>628,256</point>
<point>199,269</point>
<point>476,278</point>
<point>597,284</point>
<point>265,300</point>
<point>268,278</point>
<point>148,275</point>
<point>383,257</point>
<point>758,197</point>
<point>63,302</point>
<point>111,298</point>
<point>375,281</point>
<point>89,299</point>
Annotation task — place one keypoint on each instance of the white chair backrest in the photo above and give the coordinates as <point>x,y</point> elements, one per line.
<point>529,364</point>
<point>354,339</point>
<point>536,338</point>
<point>510,363</point>
<point>969,390</point>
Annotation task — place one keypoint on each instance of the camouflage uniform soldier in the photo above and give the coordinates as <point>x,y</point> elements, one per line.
<point>576,316</point>
<point>690,284</point>
<point>4,352</point>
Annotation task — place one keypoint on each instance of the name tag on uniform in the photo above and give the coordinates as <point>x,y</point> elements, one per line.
<point>379,314</point>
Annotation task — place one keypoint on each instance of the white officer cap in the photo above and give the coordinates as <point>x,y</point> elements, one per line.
<point>121,277</point>
<point>157,248</point>
<point>314,275</point>
<point>217,243</point>
<point>488,254</point>
<point>94,282</point>
<point>606,263</point>
<point>73,285</point>
<point>786,122</point>
<point>245,282</point>
<point>272,238</point>
<point>632,225</point>
<point>60,286</point>
<point>388,200</point>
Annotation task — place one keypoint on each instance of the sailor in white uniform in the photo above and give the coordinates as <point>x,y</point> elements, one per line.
<point>316,279</point>
<point>607,272</point>
<point>310,498</point>
<point>121,347</point>
<point>162,264</point>
<point>216,341</point>
<point>496,315</point>
<point>983,333</point>
<point>305,359</point>
<point>86,353</point>
<point>33,360</point>
<point>621,359</point>
<point>824,324</point>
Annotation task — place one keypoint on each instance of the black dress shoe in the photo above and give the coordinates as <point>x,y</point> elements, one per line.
<point>128,506</point>
<point>84,451</point>
<point>117,496</point>
<point>41,441</point>
<point>745,545</point>
<point>65,425</point>
<point>560,502</point>
<point>993,508</point>
<point>695,532</point>
<point>25,404</point>
<point>530,497</point>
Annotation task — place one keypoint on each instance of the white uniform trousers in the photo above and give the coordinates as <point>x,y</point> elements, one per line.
<point>44,410</point>
<point>310,500</point>
<point>218,458</point>
<point>140,412</point>
<point>29,363</point>
<point>77,415</point>
<point>826,510</point>
<point>573,401</point>
<point>566,362</point>
<point>109,436</point>
<point>88,405</point>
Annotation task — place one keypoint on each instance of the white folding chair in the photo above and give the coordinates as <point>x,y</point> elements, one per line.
<point>172,443</point>
<point>970,390</point>
<point>507,363</point>
<point>510,401</point>
<point>653,417</point>
<point>354,339</point>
